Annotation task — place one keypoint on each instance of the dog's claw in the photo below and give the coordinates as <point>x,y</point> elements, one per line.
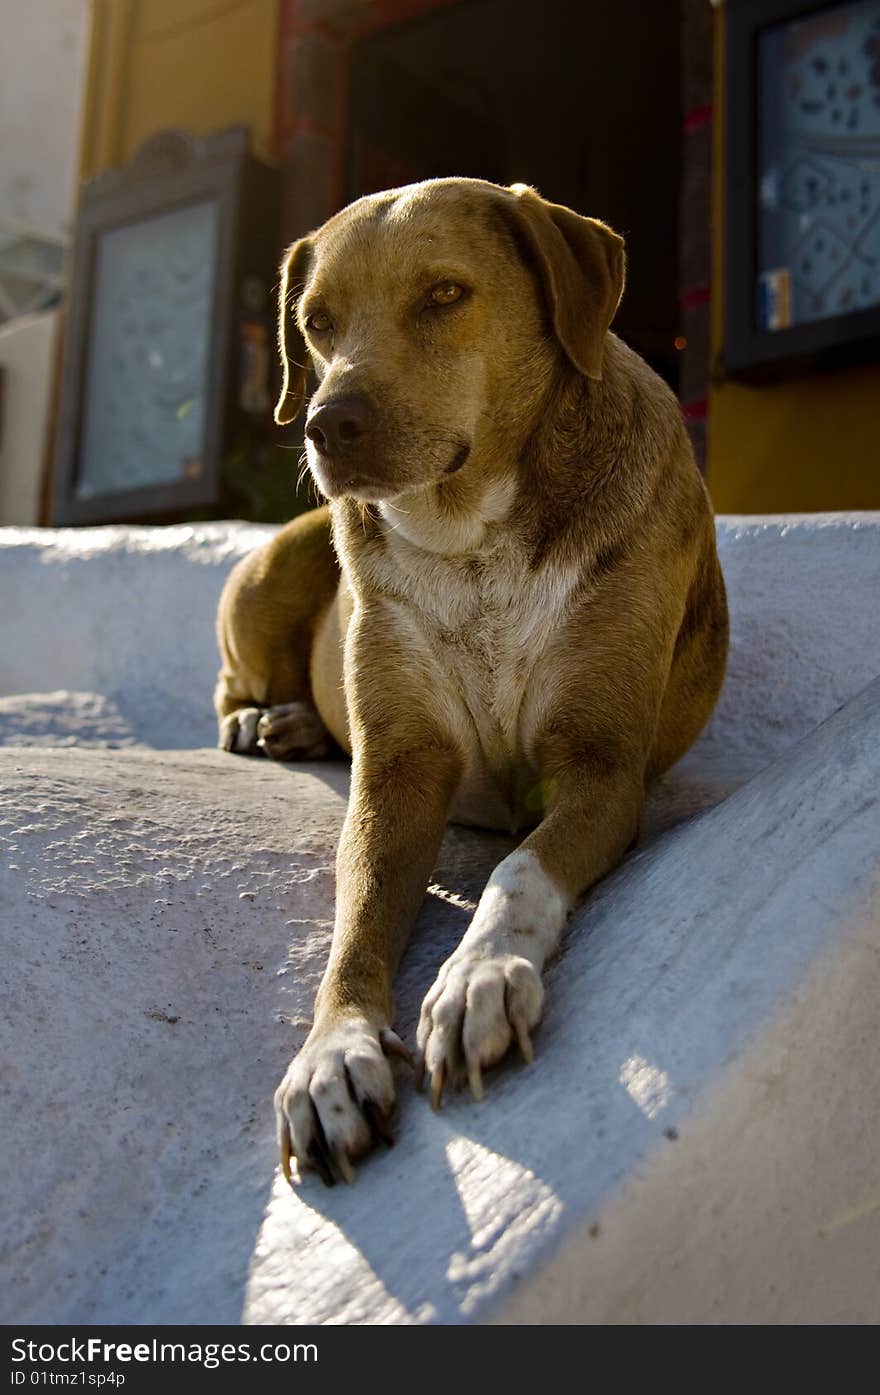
<point>380,1124</point>
<point>420,1071</point>
<point>284,1148</point>
<point>393,1046</point>
<point>475,1078</point>
<point>437,1082</point>
<point>345,1167</point>
<point>520,1027</point>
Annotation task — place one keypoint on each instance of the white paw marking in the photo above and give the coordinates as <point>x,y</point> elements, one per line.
<point>521,911</point>
<point>489,991</point>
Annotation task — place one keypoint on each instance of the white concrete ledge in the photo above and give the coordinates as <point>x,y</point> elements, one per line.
<point>128,613</point>
<point>693,1142</point>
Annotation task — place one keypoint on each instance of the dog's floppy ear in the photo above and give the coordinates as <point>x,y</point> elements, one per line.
<point>581,265</point>
<point>292,346</point>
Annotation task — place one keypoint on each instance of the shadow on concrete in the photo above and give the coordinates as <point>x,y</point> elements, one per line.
<point>674,966</point>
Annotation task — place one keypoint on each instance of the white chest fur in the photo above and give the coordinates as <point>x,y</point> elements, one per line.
<point>487,617</point>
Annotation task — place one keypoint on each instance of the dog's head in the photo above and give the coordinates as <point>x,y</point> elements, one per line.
<point>434,317</point>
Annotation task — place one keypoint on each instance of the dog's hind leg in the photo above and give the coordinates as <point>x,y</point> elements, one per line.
<point>270,608</point>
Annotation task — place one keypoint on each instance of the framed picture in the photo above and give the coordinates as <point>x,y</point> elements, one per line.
<point>167,354</point>
<point>802,192</point>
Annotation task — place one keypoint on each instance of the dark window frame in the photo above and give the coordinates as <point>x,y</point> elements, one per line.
<point>750,352</point>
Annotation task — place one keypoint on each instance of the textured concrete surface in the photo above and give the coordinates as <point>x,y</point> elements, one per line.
<point>693,1141</point>
<point>128,613</point>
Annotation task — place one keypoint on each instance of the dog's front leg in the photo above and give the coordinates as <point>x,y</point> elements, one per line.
<point>338,1093</point>
<point>489,992</point>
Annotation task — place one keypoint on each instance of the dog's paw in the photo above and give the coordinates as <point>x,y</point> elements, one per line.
<point>288,731</point>
<point>238,731</point>
<point>469,1018</point>
<point>337,1098</point>
<point>292,731</point>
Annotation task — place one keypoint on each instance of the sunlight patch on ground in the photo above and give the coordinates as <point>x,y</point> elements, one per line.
<point>509,1212</point>
<point>646,1086</point>
<point>284,1278</point>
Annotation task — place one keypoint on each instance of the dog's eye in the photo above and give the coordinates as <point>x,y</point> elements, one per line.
<point>319,322</point>
<point>446,293</point>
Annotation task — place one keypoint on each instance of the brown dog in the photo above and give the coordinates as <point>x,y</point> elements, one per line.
<point>529,624</point>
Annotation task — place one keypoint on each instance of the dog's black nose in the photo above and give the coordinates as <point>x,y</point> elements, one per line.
<point>339,425</point>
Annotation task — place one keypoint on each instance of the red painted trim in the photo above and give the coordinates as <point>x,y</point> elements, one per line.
<point>695,295</point>
<point>697,117</point>
<point>304,125</point>
<point>385,13</point>
<point>292,26</point>
<point>343,73</point>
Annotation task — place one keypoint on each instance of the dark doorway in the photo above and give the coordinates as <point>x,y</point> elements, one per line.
<point>580,99</point>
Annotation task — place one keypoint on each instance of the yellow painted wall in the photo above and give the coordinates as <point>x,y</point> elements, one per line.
<point>802,445</point>
<point>199,64</point>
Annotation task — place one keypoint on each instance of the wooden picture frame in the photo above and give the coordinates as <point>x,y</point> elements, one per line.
<point>175,178</point>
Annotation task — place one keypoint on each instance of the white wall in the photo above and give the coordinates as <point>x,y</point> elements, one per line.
<point>43,47</point>
<point>43,54</point>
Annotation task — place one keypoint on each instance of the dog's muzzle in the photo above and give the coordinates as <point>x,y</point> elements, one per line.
<point>340,427</point>
<point>342,436</point>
